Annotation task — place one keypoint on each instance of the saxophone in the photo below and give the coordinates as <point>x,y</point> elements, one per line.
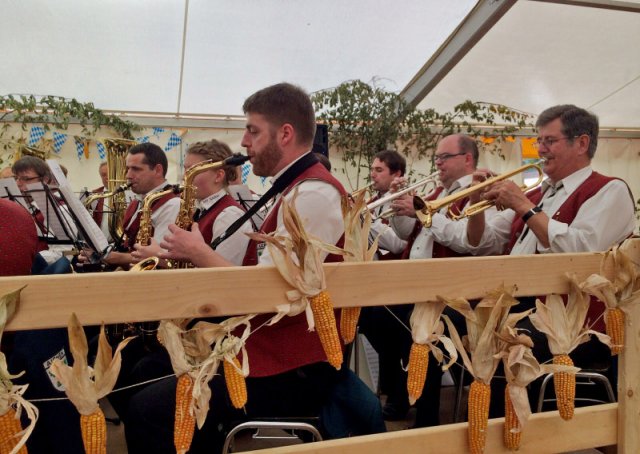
<point>188,197</point>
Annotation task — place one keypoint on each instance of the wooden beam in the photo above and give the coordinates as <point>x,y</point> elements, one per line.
<point>544,433</point>
<point>629,385</point>
<point>47,301</point>
<point>629,7</point>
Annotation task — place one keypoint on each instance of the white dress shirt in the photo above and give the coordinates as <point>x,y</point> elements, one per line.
<point>319,205</point>
<point>233,248</point>
<point>388,240</point>
<point>162,216</point>
<point>605,219</point>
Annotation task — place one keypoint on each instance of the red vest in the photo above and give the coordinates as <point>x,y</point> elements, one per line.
<point>99,209</point>
<point>439,251</point>
<point>206,221</point>
<point>288,344</point>
<point>132,230</point>
<point>18,239</point>
<point>566,214</point>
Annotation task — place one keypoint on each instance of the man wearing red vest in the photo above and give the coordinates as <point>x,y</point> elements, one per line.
<point>289,373</point>
<point>146,170</point>
<point>575,210</point>
<point>215,208</point>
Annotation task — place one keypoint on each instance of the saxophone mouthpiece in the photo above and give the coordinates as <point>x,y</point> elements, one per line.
<point>236,160</point>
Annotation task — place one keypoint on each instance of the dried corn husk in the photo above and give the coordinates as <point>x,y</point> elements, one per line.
<point>85,385</point>
<point>191,353</point>
<point>483,322</point>
<point>11,396</point>
<point>617,285</point>
<point>299,259</point>
<point>428,329</point>
<point>564,324</point>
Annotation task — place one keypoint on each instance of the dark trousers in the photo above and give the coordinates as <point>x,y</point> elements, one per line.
<point>300,392</point>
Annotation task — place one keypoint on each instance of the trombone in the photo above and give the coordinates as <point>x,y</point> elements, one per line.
<point>430,179</point>
<point>425,210</point>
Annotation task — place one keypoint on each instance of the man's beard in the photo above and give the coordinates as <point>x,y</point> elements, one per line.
<point>265,162</point>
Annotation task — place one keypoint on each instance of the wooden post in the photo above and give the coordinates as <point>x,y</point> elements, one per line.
<point>629,385</point>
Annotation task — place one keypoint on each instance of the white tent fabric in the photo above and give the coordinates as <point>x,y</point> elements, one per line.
<point>543,54</point>
<point>127,55</point>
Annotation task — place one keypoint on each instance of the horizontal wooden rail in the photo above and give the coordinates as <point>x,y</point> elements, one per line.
<point>544,433</point>
<point>47,301</point>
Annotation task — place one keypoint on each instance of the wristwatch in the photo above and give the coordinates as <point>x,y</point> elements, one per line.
<point>531,212</point>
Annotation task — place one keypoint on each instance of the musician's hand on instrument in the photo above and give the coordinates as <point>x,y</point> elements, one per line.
<point>507,194</point>
<point>477,177</point>
<point>143,252</point>
<point>403,206</point>
<point>180,244</point>
<point>397,184</point>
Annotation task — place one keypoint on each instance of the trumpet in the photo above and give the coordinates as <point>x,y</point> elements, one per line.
<point>430,179</point>
<point>425,210</point>
<point>354,194</point>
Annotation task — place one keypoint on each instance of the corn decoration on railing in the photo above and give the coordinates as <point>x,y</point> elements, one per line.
<point>483,322</point>
<point>564,327</point>
<point>426,330</point>
<point>618,287</point>
<point>84,385</point>
<point>298,260</point>
<point>12,438</point>
<point>357,227</point>
<point>194,362</point>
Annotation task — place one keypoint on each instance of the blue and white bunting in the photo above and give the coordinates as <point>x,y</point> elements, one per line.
<point>36,133</point>
<point>157,131</point>
<point>246,169</point>
<point>59,140</point>
<point>173,142</point>
<point>143,139</point>
<point>101,151</point>
<point>262,180</point>
<point>79,147</point>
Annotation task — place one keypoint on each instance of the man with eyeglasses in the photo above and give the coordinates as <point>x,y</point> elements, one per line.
<point>574,210</point>
<point>456,158</point>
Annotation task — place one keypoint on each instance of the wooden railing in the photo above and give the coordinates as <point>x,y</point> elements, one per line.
<point>47,301</point>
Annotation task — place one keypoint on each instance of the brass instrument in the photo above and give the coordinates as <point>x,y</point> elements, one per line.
<point>357,192</point>
<point>425,210</point>
<point>430,179</point>
<point>103,195</point>
<point>116,150</point>
<point>145,231</point>
<point>24,150</point>
<point>188,197</point>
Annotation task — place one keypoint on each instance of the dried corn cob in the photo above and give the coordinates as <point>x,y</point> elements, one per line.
<point>348,323</point>
<point>417,370</point>
<point>478,415</point>
<point>9,428</point>
<point>325,321</point>
<point>615,329</point>
<point>185,422</point>
<point>565,386</point>
<point>236,385</point>
<point>512,429</point>
<point>94,432</point>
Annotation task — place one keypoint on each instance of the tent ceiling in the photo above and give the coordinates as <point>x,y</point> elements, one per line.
<point>127,55</point>
<point>541,54</point>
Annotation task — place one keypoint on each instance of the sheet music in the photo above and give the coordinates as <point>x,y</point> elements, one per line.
<point>96,238</point>
<point>51,220</point>
<point>243,195</point>
<point>9,190</point>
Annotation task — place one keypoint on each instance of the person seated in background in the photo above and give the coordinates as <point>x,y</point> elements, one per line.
<point>146,170</point>
<point>289,372</point>
<point>216,209</point>
<point>18,239</point>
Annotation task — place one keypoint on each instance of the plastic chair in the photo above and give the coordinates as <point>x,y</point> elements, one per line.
<point>583,378</point>
<point>292,426</point>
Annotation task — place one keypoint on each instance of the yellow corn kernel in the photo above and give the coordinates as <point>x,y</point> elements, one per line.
<point>348,323</point>
<point>512,429</point>
<point>94,432</point>
<point>325,321</point>
<point>565,386</point>
<point>236,386</point>
<point>185,422</point>
<point>478,415</point>
<point>417,371</point>
<point>614,320</point>
<point>9,428</point>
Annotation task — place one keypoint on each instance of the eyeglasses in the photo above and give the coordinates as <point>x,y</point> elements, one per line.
<point>445,156</point>
<point>25,179</point>
<point>549,141</point>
